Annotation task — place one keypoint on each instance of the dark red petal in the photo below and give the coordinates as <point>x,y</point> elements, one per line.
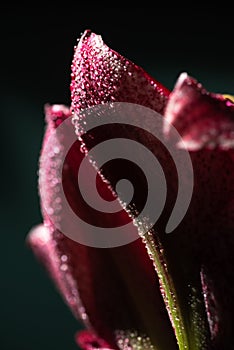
<point>43,242</point>
<point>203,119</point>
<point>118,287</point>
<point>199,253</point>
<point>206,121</point>
<point>101,75</point>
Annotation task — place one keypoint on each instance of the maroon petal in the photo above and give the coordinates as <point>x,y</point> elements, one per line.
<point>203,119</point>
<point>118,287</point>
<point>101,75</point>
<point>206,123</point>
<point>43,242</point>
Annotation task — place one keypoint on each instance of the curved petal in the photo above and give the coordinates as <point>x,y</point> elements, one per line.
<point>118,287</point>
<point>204,120</point>
<point>101,75</point>
<point>206,123</point>
<point>43,242</point>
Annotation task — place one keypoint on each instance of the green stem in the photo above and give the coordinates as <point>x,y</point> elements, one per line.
<point>168,291</point>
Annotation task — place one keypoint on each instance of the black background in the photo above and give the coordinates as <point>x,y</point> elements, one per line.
<point>36,52</point>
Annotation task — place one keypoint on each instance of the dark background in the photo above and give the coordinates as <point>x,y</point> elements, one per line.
<point>36,52</point>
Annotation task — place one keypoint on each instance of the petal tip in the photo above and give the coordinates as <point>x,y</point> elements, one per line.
<point>38,236</point>
<point>183,77</point>
<point>101,75</point>
<point>203,119</point>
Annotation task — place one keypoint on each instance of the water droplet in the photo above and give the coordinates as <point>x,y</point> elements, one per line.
<point>64,258</point>
<point>56,150</point>
<point>63,267</point>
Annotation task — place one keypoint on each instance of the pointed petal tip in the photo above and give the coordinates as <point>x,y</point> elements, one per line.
<point>86,35</point>
<point>101,75</point>
<point>183,77</point>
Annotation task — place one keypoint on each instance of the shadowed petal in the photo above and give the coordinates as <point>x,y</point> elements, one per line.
<point>42,241</point>
<point>118,287</point>
<point>100,75</point>
<point>203,119</point>
<point>195,262</point>
<point>206,122</point>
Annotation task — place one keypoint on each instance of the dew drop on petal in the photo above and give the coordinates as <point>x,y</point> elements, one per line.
<point>63,267</point>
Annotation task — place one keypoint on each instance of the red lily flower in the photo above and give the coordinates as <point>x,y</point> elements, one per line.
<point>161,291</point>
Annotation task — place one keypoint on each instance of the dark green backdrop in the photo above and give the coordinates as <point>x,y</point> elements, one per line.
<point>36,52</point>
